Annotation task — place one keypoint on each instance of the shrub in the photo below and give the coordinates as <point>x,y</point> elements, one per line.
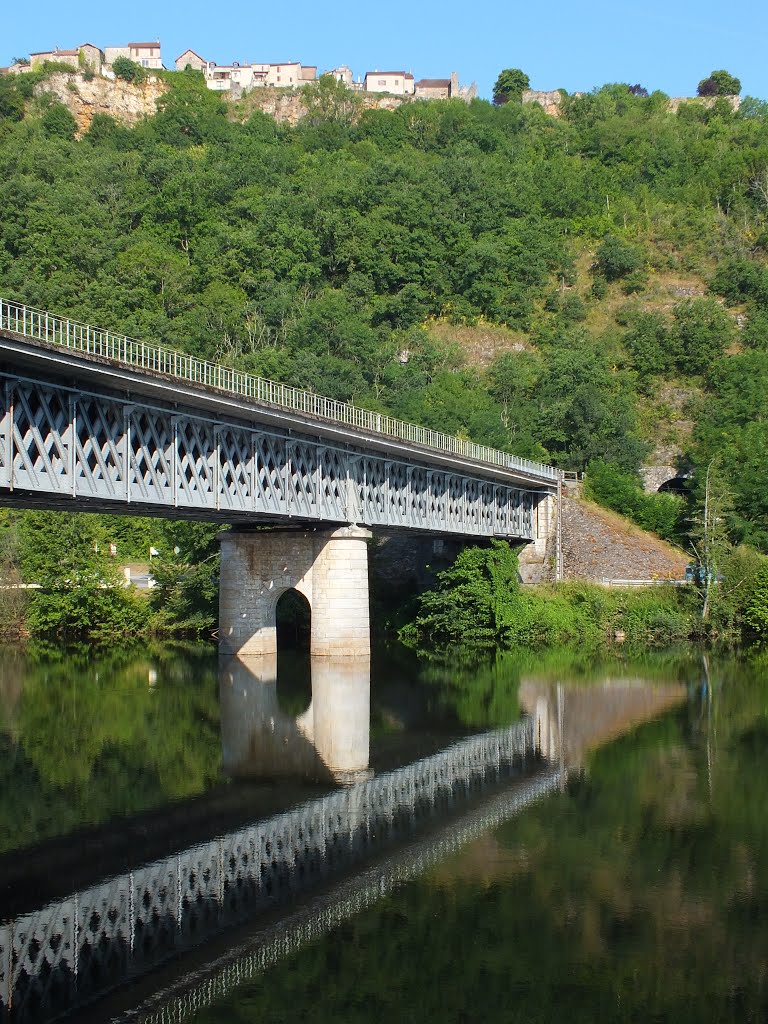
<point>58,122</point>
<point>617,258</point>
<point>129,70</point>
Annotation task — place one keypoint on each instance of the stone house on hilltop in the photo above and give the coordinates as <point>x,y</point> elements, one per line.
<point>191,59</point>
<point>87,55</point>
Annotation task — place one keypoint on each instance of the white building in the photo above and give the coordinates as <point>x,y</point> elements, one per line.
<point>147,55</point>
<point>397,83</point>
<point>237,77</point>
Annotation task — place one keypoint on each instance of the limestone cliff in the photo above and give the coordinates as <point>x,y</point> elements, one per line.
<point>125,101</point>
<point>285,105</point>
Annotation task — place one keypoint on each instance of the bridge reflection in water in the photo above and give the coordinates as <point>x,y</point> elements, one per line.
<point>75,950</point>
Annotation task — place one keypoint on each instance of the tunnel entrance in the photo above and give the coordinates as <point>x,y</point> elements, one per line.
<point>293,619</point>
<point>677,485</point>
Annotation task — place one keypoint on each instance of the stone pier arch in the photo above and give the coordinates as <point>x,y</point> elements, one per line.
<point>327,567</point>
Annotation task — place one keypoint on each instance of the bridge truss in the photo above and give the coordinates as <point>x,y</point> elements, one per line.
<point>71,447</point>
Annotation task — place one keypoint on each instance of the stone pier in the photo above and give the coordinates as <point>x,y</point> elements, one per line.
<point>328,567</point>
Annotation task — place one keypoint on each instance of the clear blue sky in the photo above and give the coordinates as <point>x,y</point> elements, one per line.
<point>576,46</point>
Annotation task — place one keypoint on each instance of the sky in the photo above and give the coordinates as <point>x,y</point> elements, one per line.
<point>575,46</point>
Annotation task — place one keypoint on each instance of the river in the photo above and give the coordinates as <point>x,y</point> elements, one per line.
<point>542,837</point>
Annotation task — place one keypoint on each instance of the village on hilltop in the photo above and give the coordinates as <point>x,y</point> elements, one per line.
<point>237,78</point>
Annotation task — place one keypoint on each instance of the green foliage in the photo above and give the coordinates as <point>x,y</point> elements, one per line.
<point>329,100</point>
<point>129,70</point>
<point>649,345</point>
<point>471,602</point>
<point>510,85</point>
<point>58,122</point>
<point>719,83</point>
<point>81,592</point>
<point>702,333</point>
<point>187,578</point>
<point>617,258</point>
<point>608,485</point>
<point>478,604</point>
<point>756,611</point>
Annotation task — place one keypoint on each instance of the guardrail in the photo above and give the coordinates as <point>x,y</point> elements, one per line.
<point>79,337</point>
<point>607,582</point>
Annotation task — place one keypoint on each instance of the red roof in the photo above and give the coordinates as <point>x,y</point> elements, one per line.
<point>402,74</point>
<point>156,43</point>
<point>434,83</point>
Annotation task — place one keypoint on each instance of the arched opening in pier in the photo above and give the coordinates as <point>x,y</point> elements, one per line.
<point>293,619</point>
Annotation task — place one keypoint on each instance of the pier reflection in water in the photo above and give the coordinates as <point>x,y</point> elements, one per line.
<point>329,742</point>
<point>74,949</point>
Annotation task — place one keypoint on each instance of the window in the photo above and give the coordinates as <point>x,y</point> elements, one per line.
<point>145,63</point>
<point>382,81</point>
<point>397,81</point>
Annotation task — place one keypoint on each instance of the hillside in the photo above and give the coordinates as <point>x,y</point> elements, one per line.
<point>590,289</point>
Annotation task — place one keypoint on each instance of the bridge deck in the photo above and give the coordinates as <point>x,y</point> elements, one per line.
<point>94,421</point>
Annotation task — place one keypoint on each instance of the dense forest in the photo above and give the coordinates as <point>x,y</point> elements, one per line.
<point>580,290</point>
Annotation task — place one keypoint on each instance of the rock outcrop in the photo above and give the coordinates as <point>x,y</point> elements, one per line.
<point>127,102</point>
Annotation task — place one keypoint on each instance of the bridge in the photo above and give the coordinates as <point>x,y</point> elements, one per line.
<point>95,421</point>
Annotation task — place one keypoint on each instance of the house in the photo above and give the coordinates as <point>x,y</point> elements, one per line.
<point>238,77</point>
<point>16,69</point>
<point>398,83</point>
<point>444,89</point>
<point>289,76</point>
<point>192,60</point>
<point>85,56</point>
<point>147,55</point>
<point>433,89</point>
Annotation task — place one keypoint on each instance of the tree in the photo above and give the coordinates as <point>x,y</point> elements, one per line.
<point>711,541</point>
<point>719,83</point>
<point>617,258</point>
<point>128,70</point>
<point>59,122</point>
<point>702,333</point>
<point>327,99</point>
<point>510,85</point>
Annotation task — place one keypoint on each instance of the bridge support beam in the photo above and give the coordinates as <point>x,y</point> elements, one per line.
<point>330,568</point>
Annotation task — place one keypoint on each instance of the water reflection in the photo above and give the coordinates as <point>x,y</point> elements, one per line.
<point>330,741</point>
<point>73,949</point>
<point>569,721</point>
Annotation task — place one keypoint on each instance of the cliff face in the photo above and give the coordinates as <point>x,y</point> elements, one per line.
<point>286,107</point>
<point>126,102</point>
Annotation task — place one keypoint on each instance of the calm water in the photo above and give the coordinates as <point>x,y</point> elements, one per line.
<point>544,838</point>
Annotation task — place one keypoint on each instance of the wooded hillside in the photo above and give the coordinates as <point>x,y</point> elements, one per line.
<point>577,290</point>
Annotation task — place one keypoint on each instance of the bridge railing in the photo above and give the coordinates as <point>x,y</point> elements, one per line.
<point>80,337</point>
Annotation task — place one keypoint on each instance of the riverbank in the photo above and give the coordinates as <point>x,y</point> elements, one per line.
<point>479,604</point>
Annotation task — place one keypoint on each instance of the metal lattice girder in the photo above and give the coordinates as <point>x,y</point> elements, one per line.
<point>63,443</point>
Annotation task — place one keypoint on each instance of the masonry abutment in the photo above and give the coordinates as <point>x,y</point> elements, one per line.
<point>330,569</point>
